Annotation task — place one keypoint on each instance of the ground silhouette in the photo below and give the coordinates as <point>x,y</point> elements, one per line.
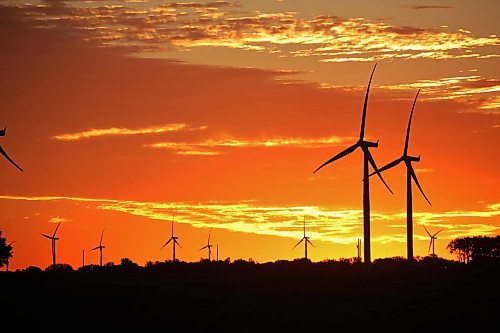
<point>241,296</point>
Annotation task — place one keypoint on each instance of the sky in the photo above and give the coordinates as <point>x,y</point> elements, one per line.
<point>128,114</point>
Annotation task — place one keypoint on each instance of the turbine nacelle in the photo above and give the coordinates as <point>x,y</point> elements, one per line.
<point>368,144</point>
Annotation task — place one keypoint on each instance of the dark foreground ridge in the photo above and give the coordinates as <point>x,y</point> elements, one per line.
<point>389,295</point>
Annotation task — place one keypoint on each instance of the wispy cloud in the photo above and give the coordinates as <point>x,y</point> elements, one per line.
<point>119,131</point>
<point>428,7</point>
<point>342,226</point>
<point>326,38</point>
<point>213,147</point>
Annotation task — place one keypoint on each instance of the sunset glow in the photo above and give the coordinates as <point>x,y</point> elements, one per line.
<point>127,115</point>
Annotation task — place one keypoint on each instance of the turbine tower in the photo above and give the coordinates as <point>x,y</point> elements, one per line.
<point>100,247</point>
<point>433,240</point>
<point>358,247</point>
<point>208,246</point>
<point>172,239</point>
<point>4,153</point>
<point>304,239</point>
<point>367,159</point>
<point>8,259</point>
<point>53,239</point>
<point>410,174</point>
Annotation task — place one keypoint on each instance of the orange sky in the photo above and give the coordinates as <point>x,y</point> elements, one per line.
<point>125,113</point>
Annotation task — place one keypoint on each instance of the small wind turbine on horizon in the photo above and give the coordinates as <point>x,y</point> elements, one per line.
<point>172,239</point>
<point>358,247</point>
<point>4,153</point>
<point>208,246</point>
<point>433,240</point>
<point>8,259</point>
<point>367,159</point>
<point>53,239</point>
<point>410,175</point>
<point>100,248</point>
<point>304,239</point>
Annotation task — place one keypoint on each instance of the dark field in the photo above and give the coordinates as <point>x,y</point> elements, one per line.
<point>242,297</point>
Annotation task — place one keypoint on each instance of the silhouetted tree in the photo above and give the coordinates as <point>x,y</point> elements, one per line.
<point>59,268</point>
<point>127,263</point>
<point>5,251</point>
<point>476,249</point>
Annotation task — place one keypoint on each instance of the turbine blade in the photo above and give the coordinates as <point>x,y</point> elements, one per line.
<point>387,166</point>
<point>338,156</point>
<point>172,228</point>
<point>407,141</point>
<point>437,233</point>
<point>176,242</point>
<point>209,234</point>
<point>310,243</point>
<point>100,242</point>
<point>414,176</point>
<point>49,237</point>
<point>203,248</point>
<point>304,226</point>
<point>9,159</point>
<point>430,244</point>
<point>55,231</point>
<point>300,241</point>
<point>374,166</point>
<point>165,244</point>
<point>95,248</point>
<point>365,105</point>
<point>427,231</point>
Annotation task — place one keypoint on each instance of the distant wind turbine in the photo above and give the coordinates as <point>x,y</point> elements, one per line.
<point>172,239</point>
<point>83,258</point>
<point>367,159</point>
<point>100,248</point>
<point>358,247</point>
<point>410,174</point>
<point>433,240</point>
<point>53,239</point>
<point>208,246</point>
<point>304,239</point>
<point>8,259</point>
<point>4,153</point>
<point>217,252</point>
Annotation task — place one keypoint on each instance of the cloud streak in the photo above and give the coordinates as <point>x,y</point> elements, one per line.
<point>214,146</point>
<point>122,131</point>
<point>341,226</point>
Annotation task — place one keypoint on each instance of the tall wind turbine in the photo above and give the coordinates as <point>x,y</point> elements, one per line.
<point>2,133</point>
<point>304,239</point>
<point>367,159</point>
<point>172,239</point>
<point>100,247</point>
<point>208,246</point>
<point>410,174</point>
<point>433,240</point>
<point>53,239</point>
<point>7,263</point>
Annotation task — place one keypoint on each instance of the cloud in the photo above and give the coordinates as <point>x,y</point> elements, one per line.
<point>186,25</point>
<point>417,7</point>
<point>119,131</point>
<point>213,147</point>
<point>341,226</point>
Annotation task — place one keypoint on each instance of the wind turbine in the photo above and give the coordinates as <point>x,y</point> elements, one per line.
<point>410,174</point>
<point>53,238</point>
<point>208,246</point>
<point>433,240</point>
<point>304,239</point>
<point>83,258</point>
<point>100,247</point>
<point>2,133</point>
<point>7,263</point>
<point>358,247</point>
<point>367,159</point>
<point>172,239</point>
